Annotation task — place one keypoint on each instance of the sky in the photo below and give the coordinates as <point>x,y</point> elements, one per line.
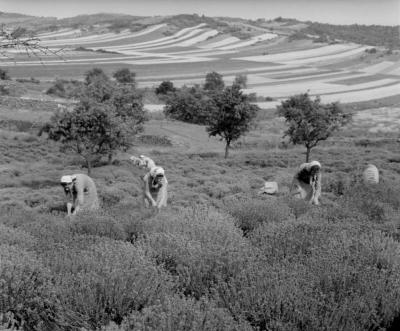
<point>383,12</point>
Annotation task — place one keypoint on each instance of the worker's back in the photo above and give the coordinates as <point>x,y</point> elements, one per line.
<point>86,192</point>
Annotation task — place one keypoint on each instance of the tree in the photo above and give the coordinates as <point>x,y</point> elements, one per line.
<point>241,80</point>
<point>214,82</point>
<point>165,87</point>
<point>95,74</point>
<point>189,105</point>
<point>98,88</point>
<point>86,130</point>
<point>125,76</point>
<point>232,115</point>
<point>311,121</point>
<point>99,126</point>
<point>128,107</point>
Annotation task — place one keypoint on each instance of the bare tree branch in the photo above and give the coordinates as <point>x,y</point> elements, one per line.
<point>20,39</point>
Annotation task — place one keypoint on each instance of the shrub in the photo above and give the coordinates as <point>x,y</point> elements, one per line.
<point>377,202</point>
<point>125,76</point>
<point>189,105</point>
<point>105,279</point>
<point>155,140</point>
<point>4,74</point>
<point>28,298</point>
<point>57,89</point>
<point>16,237</point>
<point>251,213</point>
<point>178,313</point>
<point>165,88</point>
<point>99,224</point>
<point>316,276</point>
<point>198,245</point>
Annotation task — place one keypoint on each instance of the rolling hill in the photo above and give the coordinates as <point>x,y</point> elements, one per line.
<point>280,57</point>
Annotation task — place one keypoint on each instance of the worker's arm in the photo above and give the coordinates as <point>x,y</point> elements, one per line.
<point>69,208</point>
<point>147,190</point>
<point>79,199</point>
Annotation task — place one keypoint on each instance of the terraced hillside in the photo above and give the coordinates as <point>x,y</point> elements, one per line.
<point>182,49</point>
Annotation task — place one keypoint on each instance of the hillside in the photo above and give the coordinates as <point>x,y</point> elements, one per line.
<point>220,256</point>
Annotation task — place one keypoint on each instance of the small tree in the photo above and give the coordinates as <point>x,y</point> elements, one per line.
<point>125,76</point>
<point>214,82</point>
<point>241,80</point>
<point>85,131</point>
<point>95,74</point>
<point>165,87</point>
<point>99,88</point>
<point>232,115</point>
<point>128,107</point>
<point>98,128</point>
<point>311,121</point>
<point>58,89</point>
<point>189,105</point>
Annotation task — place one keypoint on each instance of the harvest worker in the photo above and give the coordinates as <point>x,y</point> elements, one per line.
<point>143,162</point>
<point>308,181</point>
<point>81,189</point>
<point>148,163</point>
<point>155,188</point>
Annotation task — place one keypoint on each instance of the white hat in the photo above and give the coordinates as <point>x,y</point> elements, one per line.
<point>66,179</point>
<point>157,171</point>
<point>315,163</point>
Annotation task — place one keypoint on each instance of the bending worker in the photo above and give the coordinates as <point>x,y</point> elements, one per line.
<point>81,190</point>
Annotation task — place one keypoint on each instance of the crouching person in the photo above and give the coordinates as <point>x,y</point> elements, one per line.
<point>155,188</point>
<point>81,192</point>
<point>308,182</point>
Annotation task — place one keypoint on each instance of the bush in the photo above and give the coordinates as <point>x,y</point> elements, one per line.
<point>104,279</point>
<point>249,214</point>
<point>125,76</point>
<point>155,140</point>
<point>99,224</point>
<point>199,245</point>
<point>189,105</point>
<point>178,313</point>
<point>165,88</point>
<point>16,237</point>
<point>312,275</point>
<point>28,298</point>
<point>57,89</point>
<point>377,202</point>
<point>4,74</point>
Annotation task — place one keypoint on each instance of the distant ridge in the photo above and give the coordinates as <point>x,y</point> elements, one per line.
<point>374,35</point>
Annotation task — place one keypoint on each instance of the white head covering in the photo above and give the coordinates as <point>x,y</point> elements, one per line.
<point>315,163</point>
<point>157,171</point>
<point>66,179</point>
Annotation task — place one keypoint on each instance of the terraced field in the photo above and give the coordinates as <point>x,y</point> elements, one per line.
<point>275,67</point>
